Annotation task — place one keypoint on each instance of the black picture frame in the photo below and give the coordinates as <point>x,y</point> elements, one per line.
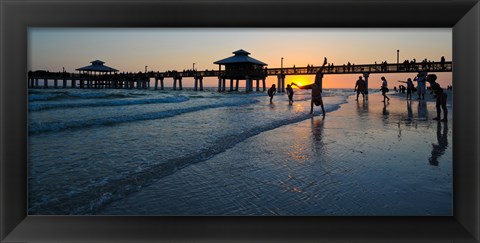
<point>463,16</point>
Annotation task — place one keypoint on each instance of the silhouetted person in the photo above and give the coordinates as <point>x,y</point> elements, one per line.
<point>271,92</point>
<point>421,84</point>
<point>290,94</point>
<point>441,102</point>
<point>384,89</point>
<point>360,87</point>
<point>316,89</point>
<point>442,62</point>
<point>410,87</point>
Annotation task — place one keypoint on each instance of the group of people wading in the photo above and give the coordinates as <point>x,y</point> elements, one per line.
<point>361,88</point>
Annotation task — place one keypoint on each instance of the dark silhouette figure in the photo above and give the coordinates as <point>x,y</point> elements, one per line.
<point>384,89</point>
<point>290,94</point>
<point>442,63</point>
<point>316,89</point>
<point>271,92</point>
<point>441,102</point>
<point>410,87</point>
<point>360,87</point>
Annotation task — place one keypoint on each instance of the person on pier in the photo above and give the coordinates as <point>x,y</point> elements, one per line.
<point>316,89</point>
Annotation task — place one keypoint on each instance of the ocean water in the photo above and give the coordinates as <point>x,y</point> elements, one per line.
<point>90,148</point>
<point>146,152</point>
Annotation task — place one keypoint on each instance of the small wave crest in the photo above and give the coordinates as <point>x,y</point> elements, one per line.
<point>74,94</point>
<point>96,103</point>
<point>40,127</point>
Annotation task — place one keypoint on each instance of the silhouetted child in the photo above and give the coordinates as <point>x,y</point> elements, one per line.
<point>271,92</point>
<point>290,94</point>
<point>440,96</point>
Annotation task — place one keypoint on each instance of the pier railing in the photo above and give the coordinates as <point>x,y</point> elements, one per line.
<point>142,80</point>
<point>365,68</point>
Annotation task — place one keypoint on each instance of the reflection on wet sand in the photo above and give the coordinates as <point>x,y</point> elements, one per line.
<point>362,108</point>
<point>409,111</point>
<point>317,132</point>
<point>422,110</point>
<point>439,149</point>
<point>385,111</point>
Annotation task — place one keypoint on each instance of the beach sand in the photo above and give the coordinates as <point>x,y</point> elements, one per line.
<point>366,158</point>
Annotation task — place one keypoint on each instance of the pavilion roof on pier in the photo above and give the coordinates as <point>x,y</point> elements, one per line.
<point>97,66</point>
<point>241,56</point>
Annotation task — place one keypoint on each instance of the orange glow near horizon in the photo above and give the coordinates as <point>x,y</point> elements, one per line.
<point>299,80</point>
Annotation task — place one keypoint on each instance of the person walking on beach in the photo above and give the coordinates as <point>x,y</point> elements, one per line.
<point>384,89</point>
<point>441,97</point>
<point>316,89</point>
<point>360,87</point>
<point>290,94</point>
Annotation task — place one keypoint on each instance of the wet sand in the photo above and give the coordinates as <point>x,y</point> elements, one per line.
<point>366,158</point>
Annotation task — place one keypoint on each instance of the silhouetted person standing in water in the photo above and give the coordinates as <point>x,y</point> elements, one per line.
<point>290,94</point>
<point>360,87</point>
<point>421,81</point>
<point>316,89</point>
<point>384,89</point>
<point>271,92</point>
<point>410,87</point>
<point>440,95</point>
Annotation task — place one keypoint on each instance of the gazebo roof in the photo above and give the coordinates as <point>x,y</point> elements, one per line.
<point>241,56</point>
<point>97,66</point>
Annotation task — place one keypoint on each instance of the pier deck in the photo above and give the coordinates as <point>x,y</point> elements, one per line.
<point>142,80</point>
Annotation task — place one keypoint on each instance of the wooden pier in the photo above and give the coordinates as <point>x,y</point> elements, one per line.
<point>44,79</point>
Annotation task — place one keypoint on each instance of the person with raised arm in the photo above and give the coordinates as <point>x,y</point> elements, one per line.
<point>410,87</point>
<point>316,88</point>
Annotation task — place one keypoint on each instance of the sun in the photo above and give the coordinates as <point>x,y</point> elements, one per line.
<point>299,80</point>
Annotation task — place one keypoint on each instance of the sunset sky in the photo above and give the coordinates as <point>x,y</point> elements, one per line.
<point>162,49</point>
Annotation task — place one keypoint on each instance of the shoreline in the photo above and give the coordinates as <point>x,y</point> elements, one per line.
<point>365,158</point>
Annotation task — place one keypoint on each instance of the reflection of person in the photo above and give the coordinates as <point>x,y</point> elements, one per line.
<point>360,87</point>
<point>316,89</point>
<point>440,96</point>
<point>439,149</point>
<point>317,136</point>
<point>422,110</point>
<point>290,94</point>
<point>271,92</point>
<point>385,111</point>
